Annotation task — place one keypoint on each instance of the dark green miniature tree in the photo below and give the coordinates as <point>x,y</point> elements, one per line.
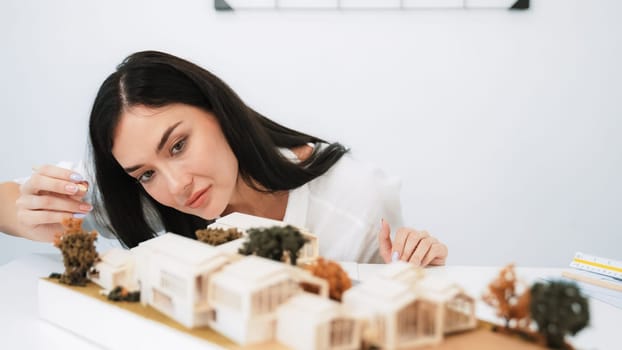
<point>292,242</point>
<point>558,309</point>
<point>273,242</point>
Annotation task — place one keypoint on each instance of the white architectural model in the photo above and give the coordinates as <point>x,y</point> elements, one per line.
<point>456,308</point>
<point>402,272</point>
<point>320,324</point>
<point>246,294</point>
<point>253,300</point>
<point>115,268</point>
<point>395,316</point>
<point>404,309</point>
<point>174,273</point>
<point>459,313</point>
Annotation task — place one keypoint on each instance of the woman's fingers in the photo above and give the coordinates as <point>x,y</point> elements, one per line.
<point>52,179</point>
<point>418,247</point>
<point>384,241</point>
<point>52,202</point>
<point>415,247</point>
<point>401,236</point>
<point>437,254</point>
<point>58,173</point>
<point>411,245</point>
<point>33,218</point>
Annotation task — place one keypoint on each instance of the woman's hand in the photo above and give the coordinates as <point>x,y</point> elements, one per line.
<point>49,196</point>
<point>411,245</point>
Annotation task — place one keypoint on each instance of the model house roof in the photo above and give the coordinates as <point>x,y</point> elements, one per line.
<point>253,269</point>
<point>402,271</point>
<point>308,303</point>
<point>310,308</point>
<point>181,248</point>
<point>244,222</point>
<point>383,289</point>
<point>380,294</point>
<point>438,289</point>
<point>116,257</point>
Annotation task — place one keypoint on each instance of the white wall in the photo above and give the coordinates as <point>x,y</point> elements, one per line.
<point>504,126</point>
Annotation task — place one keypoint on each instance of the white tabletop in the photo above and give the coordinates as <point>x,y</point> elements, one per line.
<point>21,328</point>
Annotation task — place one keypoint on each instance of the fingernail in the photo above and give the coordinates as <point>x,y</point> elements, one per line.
<point>82,187</point>
<point>395,256</point>
<point>71,188</point>
<point>86,207</point>
<point>76,177</point>
<point>79,215</point>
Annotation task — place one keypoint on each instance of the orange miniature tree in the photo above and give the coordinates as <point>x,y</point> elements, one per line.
<point>511,306</point>
<point>338,280</point>
<point>78,249</point>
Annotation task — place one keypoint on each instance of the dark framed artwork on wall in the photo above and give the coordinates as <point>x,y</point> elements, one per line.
<point>232,5</point>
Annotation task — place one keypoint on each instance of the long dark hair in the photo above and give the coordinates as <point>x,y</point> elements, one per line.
<point>156,79</point>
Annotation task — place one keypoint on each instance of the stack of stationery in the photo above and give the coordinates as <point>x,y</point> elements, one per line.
<point>598,277</point>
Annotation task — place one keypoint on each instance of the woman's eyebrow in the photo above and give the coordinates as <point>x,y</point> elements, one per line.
<point>166,135</point>
<point>163,141</point>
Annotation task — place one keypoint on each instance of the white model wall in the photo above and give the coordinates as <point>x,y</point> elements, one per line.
<point>505,126</point>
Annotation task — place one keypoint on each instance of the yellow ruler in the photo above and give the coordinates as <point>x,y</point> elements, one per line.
<point>594,264</point>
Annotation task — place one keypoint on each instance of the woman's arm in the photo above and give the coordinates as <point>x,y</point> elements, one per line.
<point>9,192</point>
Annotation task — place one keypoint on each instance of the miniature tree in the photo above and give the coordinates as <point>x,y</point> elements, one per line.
<point>122,294</point>
<point>78,249</point>
<point>273,242</point>
<point>217,236</point>
<point>510,305</point>
<point>338,279</point>
<point>558,309</point>
<point>292,241</point>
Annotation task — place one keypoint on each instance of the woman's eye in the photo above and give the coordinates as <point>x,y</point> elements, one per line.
<point>145,177</point>
<point>178,147</point>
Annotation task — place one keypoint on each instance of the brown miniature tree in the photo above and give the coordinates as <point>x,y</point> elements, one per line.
<point>558,309</point>
<point>510,305</point>
<point>273,242</point>
<point>78,249</point>
<point>217,236</point>
<point>338,279</point>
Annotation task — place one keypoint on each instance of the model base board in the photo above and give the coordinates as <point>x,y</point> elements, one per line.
<point>121,325</point>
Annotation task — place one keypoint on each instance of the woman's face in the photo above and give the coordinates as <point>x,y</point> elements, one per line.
<point>180,156</point>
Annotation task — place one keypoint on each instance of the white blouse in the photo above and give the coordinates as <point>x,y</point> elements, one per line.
<point>344,207</point>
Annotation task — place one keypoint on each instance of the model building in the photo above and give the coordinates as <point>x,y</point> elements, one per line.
<point>320,324</point>
<point>115,268</point>
<point>174,273</point>
<point>245,295</point>
<point>251,299</point>
<point>404,309</point>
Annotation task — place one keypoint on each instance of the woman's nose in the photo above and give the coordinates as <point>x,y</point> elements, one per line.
<point>178,181</point>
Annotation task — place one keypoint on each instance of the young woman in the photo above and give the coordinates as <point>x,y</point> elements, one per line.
<point>173,147</point>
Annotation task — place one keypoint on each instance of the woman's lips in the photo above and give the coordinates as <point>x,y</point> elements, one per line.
<point>197,199</point>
